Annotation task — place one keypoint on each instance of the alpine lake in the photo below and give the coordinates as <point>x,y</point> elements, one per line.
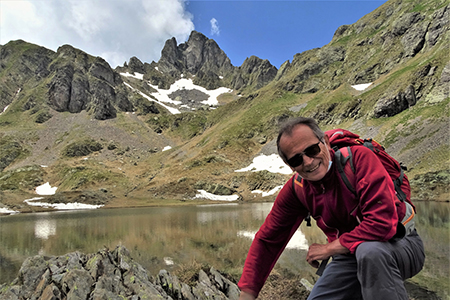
<point>215,235</point>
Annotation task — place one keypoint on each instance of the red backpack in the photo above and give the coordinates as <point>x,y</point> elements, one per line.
<point>341,140</point>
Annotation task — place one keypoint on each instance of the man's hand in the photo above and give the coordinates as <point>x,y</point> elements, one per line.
<point>318,252</point>
<point>246,296</point>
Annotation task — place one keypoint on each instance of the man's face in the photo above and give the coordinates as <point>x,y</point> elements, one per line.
<point>302,137</point>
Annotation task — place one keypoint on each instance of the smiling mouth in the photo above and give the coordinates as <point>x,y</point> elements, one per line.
<point>313,169</point>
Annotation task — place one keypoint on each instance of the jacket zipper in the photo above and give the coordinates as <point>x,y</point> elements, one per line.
<point>332,228</point>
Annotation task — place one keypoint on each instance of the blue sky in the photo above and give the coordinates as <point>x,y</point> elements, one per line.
<point>119,29</point>
<point>275,30</point>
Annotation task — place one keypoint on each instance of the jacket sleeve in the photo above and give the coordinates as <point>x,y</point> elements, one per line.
<point>375,190</point>
<point>280,224</point>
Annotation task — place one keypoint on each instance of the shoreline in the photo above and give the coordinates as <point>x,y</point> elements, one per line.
<point>161,202</point>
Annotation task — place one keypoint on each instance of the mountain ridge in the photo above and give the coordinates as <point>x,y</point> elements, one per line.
<point>54,102</point>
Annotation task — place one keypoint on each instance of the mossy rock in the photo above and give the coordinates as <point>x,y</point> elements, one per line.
<point>10,150</point>
<point>23,178</point>
<point>214,188</point>
<point>263,180</point>
<point>43,117</point>
<point>82,148</point>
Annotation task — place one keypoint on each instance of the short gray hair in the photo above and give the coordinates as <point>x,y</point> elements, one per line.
<point>288,126</point>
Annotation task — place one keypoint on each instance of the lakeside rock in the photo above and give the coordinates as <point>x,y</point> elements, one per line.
<point>108,275</point>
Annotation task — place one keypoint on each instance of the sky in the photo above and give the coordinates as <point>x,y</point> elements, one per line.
<point>120,29</point>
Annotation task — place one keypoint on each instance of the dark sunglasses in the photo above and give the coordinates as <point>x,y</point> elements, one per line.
<point>297,159</point>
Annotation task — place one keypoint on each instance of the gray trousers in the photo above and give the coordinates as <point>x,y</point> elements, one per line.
<point>376,271</point>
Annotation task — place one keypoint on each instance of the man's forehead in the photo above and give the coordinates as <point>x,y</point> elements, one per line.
<point>300,132</point>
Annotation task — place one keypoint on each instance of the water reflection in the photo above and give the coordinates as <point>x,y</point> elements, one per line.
<point>162,238</point>
<point>44,228</point>
<point>298,240</point>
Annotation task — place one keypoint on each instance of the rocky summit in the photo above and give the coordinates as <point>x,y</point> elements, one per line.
<point>166,129</point>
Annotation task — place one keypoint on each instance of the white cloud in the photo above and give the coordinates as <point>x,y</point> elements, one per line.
<point>89,18</point>
<point>113,29</point>
<point>215,30</point>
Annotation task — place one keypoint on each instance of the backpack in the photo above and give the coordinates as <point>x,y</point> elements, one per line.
<point>341,140</point>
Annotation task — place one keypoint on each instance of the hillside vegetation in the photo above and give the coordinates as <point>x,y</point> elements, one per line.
<point>71,120</point>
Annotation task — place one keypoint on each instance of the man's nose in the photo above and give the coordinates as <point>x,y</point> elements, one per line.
<point>307,160</point>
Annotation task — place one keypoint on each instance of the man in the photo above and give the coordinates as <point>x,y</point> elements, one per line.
<point>367,262</point>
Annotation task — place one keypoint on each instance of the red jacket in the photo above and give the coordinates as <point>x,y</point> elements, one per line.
<point>371,216</point>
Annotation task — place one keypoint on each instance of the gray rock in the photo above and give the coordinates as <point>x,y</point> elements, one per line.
<point>439,24</point>
<point>30,275</point>
<point>136,65</point>
<point>414,39</point>
<point>405,22</point>
<point>108,275</point>
<point>76,284</point>
<point>390,106</point>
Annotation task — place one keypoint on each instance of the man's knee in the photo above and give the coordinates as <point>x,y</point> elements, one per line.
<point>372,253</point>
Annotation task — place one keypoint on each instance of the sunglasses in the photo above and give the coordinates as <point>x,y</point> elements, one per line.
<point>297,159</point>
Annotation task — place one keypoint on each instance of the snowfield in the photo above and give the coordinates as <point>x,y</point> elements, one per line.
<point>161,96</point>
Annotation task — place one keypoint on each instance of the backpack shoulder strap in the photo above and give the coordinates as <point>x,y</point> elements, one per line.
<point>342,156</point>
<point>297,180</point>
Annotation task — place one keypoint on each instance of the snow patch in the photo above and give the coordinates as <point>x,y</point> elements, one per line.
<point>6,107</point>
<point>170,109</point>
<point>166,148</point>
<point>269,193</point>
<point>135,75</point>
<point>361,87</point>
<point>202,194</point>
<point>187,84</point>
<point>272,163</point>
<point>4,210</point>
<point>60,206</point>
<point>46,189</point>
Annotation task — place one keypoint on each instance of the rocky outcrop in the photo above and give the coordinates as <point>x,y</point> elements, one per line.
<point>20,63</point>
<point>198,56</point>
<point>439,24</point>
<point>108,275</point>
<point>81,82</point>
<point>390,106</point>
<point>441,90</point>
<point>68,80</point>
<point>254,72</point>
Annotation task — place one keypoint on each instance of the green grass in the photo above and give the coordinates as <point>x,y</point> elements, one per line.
<point>22,179</point>
<point>87,175</point>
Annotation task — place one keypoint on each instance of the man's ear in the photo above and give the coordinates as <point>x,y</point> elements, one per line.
<point>327,141</point>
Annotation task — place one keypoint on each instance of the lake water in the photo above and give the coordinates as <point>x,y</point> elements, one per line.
<point>164,237</point>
